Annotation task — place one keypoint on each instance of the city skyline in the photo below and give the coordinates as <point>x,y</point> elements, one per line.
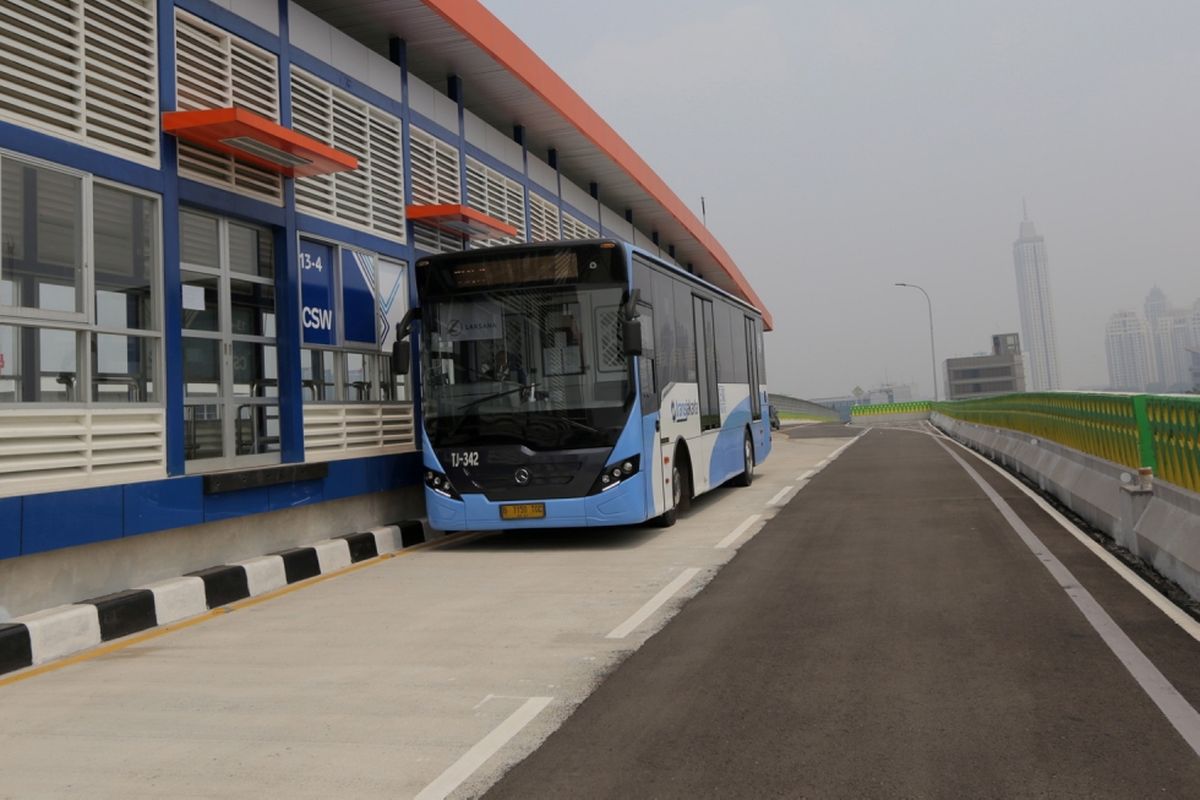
<point>1159,351</point>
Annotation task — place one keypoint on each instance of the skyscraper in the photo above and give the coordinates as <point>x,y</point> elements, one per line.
<point>1037,310</point>
<point>1172,333</point>
<point>1128,348</point>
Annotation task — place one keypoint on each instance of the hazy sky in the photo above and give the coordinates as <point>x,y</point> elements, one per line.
<point>843,146</point>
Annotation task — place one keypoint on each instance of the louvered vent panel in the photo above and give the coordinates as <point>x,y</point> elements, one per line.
<point>347,431</point>
<point>255,76</point>
<point>497,196</point>
<point>435,169</point>
<point>543,219</point>
<point>574,228</point>
<point>387,175</point>
<point>310,116</point>
<point>214,69</point>
<point>370,197</point>
<point>435,240</point>
<point>43,450</point>
<point>352,193</point>
<point>82,70</point>
<point>120,71</point>
<point>435,181</point>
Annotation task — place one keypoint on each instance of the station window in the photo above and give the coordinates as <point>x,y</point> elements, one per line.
<point>352,302</point>
<point>230,366</point>
<point>64,234</point>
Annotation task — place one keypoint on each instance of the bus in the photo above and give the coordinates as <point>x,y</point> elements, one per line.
<point>581,383</point>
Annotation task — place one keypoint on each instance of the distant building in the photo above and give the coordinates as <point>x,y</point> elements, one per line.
<point>1172,338</point>
<point>1001,372</point>
<point>1194,368</point>
<point>1037,310</point>
<point>886,393</point>
<point>1130,352</point>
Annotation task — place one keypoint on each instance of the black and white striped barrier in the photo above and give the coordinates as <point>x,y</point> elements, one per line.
<point>57,632</point>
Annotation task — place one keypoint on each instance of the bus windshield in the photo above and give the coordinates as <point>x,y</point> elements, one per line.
<point>541,366</point>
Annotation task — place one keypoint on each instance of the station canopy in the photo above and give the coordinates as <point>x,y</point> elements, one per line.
<point>508,84</point>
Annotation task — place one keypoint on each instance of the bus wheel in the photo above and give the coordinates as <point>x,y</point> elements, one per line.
<point>747,476</point>
<point>679,495</point>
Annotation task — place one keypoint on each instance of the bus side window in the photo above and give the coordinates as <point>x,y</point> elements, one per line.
<point>647,361</point>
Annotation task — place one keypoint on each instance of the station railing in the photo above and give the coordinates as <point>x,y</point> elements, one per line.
<point>1136,430</point>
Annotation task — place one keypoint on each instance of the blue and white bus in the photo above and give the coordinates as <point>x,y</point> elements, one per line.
<point>582,383</point>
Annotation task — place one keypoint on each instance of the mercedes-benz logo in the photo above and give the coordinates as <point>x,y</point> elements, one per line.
<point>521,476</point>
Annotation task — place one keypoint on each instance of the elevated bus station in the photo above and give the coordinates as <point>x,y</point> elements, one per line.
<point>375,422</point>
<point>212,212</point>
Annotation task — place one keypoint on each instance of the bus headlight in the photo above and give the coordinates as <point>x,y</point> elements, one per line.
<point>615,473</point>
<point>441,484</point>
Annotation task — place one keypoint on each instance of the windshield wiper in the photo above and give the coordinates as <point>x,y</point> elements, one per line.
<point>479,401</point>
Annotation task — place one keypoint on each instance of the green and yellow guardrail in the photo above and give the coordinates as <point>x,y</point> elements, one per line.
<point>1136,430</point>
<point>883,409</point>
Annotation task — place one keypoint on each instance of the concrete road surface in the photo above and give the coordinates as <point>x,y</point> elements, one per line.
<point>891,635</point>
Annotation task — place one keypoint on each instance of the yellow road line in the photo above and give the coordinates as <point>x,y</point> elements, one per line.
<point>154,633</point>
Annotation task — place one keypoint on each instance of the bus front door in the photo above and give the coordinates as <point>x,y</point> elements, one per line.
<point>660,491</point>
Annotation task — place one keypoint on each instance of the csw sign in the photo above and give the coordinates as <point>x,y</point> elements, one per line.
<point>316,293</point>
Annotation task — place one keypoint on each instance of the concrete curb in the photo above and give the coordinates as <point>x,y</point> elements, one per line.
<point>58,632</point>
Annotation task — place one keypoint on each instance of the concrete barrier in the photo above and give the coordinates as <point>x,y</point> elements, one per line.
<point>1160,526</point>
<point>54,633</point>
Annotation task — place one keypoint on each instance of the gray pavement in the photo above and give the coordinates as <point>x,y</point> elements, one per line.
<point>887,635</point>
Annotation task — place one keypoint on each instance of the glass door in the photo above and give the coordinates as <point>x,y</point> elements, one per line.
<point>231,397</point>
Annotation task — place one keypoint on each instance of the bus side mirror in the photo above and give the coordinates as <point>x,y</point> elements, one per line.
<point>401,353</point>
<point>631,333</point>
<point>401,357</point>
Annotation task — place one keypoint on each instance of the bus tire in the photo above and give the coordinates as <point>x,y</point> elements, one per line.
<point>746,477</point>
<point>680,491</point>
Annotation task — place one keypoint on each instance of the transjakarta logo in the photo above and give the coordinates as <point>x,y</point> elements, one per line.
<point>319,318</point>
<point>682,409</point>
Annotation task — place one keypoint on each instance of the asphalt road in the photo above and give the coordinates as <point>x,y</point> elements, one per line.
<point>822,430</point>
<point>888,634</point>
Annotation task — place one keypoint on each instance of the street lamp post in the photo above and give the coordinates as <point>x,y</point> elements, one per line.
<point>932,353</point>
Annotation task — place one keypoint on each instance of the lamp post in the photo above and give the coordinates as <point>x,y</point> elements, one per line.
<point>932,354</point>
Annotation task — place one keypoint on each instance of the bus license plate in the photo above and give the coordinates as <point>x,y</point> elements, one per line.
<point>523,511</point>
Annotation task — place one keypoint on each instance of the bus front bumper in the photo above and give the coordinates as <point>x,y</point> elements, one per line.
<point>623,505</point>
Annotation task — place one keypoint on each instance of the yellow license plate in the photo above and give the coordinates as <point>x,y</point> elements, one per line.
<point>523,511</point>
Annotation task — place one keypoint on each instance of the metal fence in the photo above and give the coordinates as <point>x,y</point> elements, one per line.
<point>885,409</point>
<point>1136,430</point>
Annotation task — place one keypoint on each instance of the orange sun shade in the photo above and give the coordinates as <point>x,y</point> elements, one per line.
<point>257,140</point>
<point>462,220</point>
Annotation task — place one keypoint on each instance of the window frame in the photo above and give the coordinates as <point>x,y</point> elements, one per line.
<point>84,324</point>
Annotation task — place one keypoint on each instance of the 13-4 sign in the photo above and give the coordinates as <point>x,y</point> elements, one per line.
<point>316,293</point>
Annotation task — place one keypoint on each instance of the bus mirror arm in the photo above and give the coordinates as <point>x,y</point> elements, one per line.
<point>401,350</point>
<point>631,325</point>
